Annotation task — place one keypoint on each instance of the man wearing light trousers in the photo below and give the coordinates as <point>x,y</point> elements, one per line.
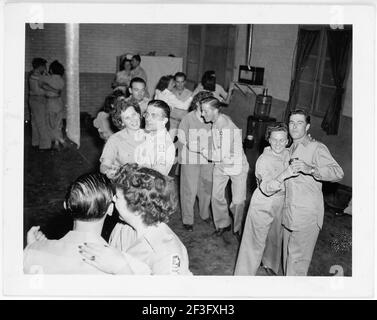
<point>304,207</point>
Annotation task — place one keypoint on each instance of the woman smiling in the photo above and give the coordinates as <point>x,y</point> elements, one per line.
<point>121,146</point>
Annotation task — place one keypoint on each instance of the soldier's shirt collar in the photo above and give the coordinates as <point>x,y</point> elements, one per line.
<point>305,141</point>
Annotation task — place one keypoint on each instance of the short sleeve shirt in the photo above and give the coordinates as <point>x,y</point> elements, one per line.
<point>60,256</point>
<point>120,148</point>
<point>159,248</point>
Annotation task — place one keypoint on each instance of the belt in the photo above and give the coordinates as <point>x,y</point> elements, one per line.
<point>53,97</point>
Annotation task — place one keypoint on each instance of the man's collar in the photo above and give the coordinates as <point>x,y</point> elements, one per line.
<point>305,141</point>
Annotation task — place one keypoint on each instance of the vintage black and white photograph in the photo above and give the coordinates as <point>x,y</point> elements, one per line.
<point>188,149</point>
<point>286,211</point>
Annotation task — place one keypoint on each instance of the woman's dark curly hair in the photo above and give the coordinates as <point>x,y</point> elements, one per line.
<point>148,192</point>
<point>56,68</point>
<point>209,80</point>
<point>164,81</point>
<point>121,105</point>
<point>108,104</point>
<point>196,99</point>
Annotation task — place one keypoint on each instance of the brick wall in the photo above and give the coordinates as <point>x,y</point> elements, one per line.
<point>94,87</point>
<point>47,43</point>
<point>100,44</point>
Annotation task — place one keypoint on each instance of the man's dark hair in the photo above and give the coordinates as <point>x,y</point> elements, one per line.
<point>38,62</point>
<point>165,109</point>
<point>180,75</point>
<point>89,197</point>
<point>137,79</point>
<point>162,105</point>
<point>300,111</point>
<point>137,57</point>
<point>147,192</point>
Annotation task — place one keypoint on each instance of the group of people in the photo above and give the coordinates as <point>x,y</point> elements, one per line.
<point>286,210</point>
<point>46,105</point>
<point>203,134</point>
<point>129,68</point>
<point>284,216</point>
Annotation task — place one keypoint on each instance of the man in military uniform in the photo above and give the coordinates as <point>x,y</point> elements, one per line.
<point>304,208</point>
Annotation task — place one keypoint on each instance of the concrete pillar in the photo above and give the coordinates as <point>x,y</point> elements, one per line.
<point>72,82</point>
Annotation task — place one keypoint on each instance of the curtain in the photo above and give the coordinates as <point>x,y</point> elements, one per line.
<point>305,42</point>
<point>339,43</point>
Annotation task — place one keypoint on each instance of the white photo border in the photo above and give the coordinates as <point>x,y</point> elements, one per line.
<point>361,284</point>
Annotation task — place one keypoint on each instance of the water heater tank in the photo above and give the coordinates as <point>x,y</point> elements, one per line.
<point>263,105</point>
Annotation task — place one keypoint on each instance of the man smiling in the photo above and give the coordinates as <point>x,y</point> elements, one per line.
<point>137,90</point>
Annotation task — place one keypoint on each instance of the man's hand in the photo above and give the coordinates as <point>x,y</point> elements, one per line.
<point>34,234</point>
<point>301,166</point>
<point>287,173</point>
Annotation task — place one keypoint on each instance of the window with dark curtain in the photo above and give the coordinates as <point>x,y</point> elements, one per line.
<point>315,86</point>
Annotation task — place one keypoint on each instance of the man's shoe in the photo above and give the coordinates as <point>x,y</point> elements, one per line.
<point>188,227</point>
<point>220,231</point>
